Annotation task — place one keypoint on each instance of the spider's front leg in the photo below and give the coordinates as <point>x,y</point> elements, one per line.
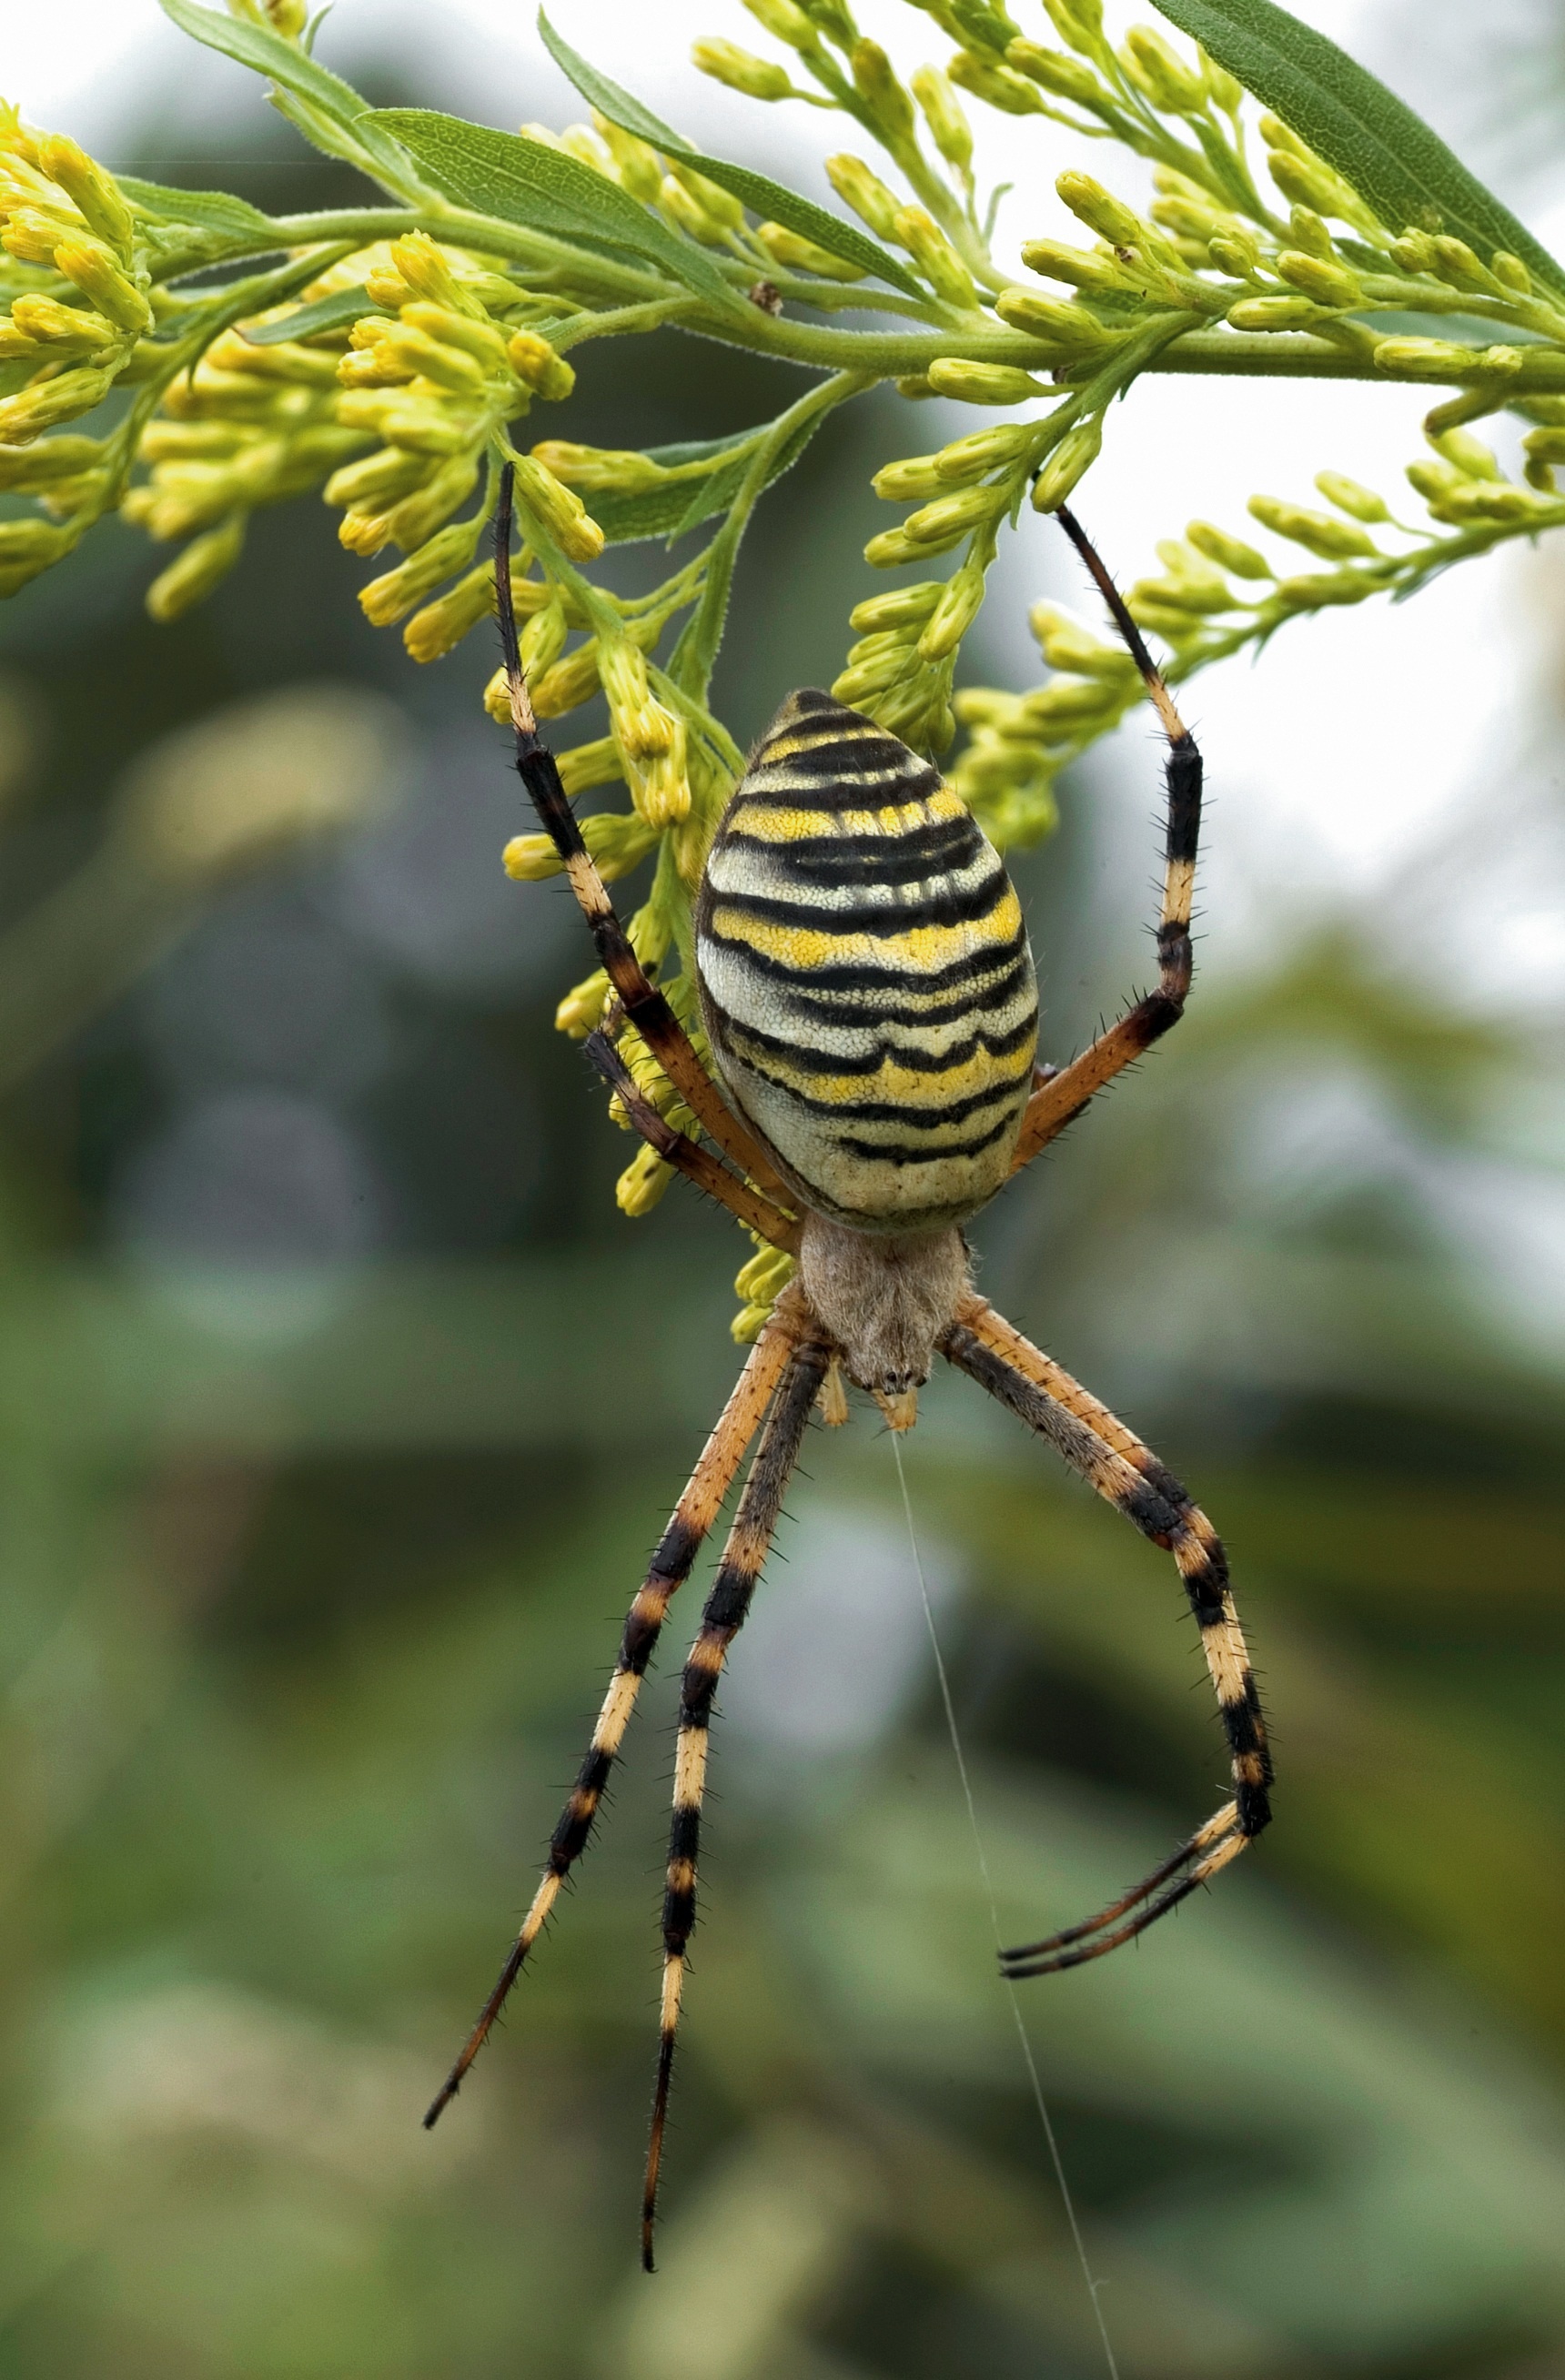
<point>1113,1460</point>
<point>1061,1099</point>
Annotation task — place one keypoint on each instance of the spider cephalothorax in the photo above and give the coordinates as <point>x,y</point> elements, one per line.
<point>869,997</point>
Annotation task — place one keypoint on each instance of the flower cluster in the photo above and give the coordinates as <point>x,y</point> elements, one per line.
<point>77,292</point>
<point>387,360</point>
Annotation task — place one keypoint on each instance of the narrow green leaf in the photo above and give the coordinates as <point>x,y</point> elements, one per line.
<point>212,210</point>
<point>682,504</point>
<point>525,182</point>
<point>257,46</point>
<point>757,191</point>
<point>334,314</point>
<point>1392,158</point>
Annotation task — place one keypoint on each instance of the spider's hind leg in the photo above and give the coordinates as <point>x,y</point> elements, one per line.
<point>754,1524</point>
<point>1128,1476</point>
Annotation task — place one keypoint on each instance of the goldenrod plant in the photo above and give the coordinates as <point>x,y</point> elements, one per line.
<point>185,358</point>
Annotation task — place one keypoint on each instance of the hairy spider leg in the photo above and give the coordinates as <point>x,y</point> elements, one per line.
<point>1130,1478</point>
<point>697,1164</point>
<point>1058,1101</point>
<point>721,1620</point>
<point>682,1541</point>
<point>644,1004</point>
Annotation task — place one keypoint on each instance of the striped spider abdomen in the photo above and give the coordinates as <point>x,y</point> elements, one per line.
<point>865,981</point>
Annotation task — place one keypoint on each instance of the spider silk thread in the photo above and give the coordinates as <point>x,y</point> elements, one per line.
<point>1041,2104</point>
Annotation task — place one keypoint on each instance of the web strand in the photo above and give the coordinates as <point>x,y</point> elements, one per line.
<point>1030,2062</point>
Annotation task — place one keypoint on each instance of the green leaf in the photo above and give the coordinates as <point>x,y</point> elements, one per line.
<point>212,210</point>
<point>334,314</point>
<point>757,191</point>
<point>525,182</point>
<point>681,504</point>
<point>1391,156</point>
<point>257,46</point>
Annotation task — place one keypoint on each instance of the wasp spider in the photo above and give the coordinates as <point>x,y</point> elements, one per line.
<point>869,997</point>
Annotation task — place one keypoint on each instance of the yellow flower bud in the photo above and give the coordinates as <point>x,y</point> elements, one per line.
<point>581,1011</point>
<point>662,797</point>
<point>48,323</point>
<point>797,254</point>
<point>412,350</point>
<point>1069,328</point>
<point>97,274</point>
<point>1274,314</point>
<point>949,128</point>
<point>906,607</point>
<point>440,627</point>
<point>570,682</point>
<point>875,80</point>
<point>639,168</point>
<point>1058,74</point>
<point>687,213</point>
<point>479,339</point>
<point>1068,703</point>
<point>386,599</point>
<point>618,842</point>
<point>1328,283</point>
<point>578,140</point>
<point>1317,532</point>
<point>786,21</point>
<point>949,517</point>
<point>1079,22</point>
<point>535,362</point>
<point>42,466</point>
<point>1306,182</point>
<point>757,78</point>
<point>1311,234</point>
<point>531,858</point>
<point>710,196</point>
<point>1055,261</point>
<point>982,383</point>
<point>904,482</point>
<point>862,680</point>
<point>892,548</point>
<point>1456,263</point>
<point>1511,273</point>
<point>31,234</point>
<point>1470,455</point>
<point>1074,455</point>
<point>934,257</point>
<point>1228,552</point>
<point>542,640</point>
<point>1162,74</point>
<point>33,409</point>
<point>590,764</point>
<point>1100,209</point>
<point>1067,645</point>
<point>94,192</point>
<point>197,570</point>
<point>642,1183</point>
<point>981,451</point>
<point>560,511</point>
<point>865,192</point>
<point>1360,504</point>
<point>1442,359</point>
<point>377,478</point>
<point>954,614</point>
<point>1011,93</point>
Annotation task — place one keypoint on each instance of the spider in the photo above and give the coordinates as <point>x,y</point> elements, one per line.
<point>869,1001</point>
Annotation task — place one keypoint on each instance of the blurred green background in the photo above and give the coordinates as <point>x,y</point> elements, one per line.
<point>338,1409</point>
